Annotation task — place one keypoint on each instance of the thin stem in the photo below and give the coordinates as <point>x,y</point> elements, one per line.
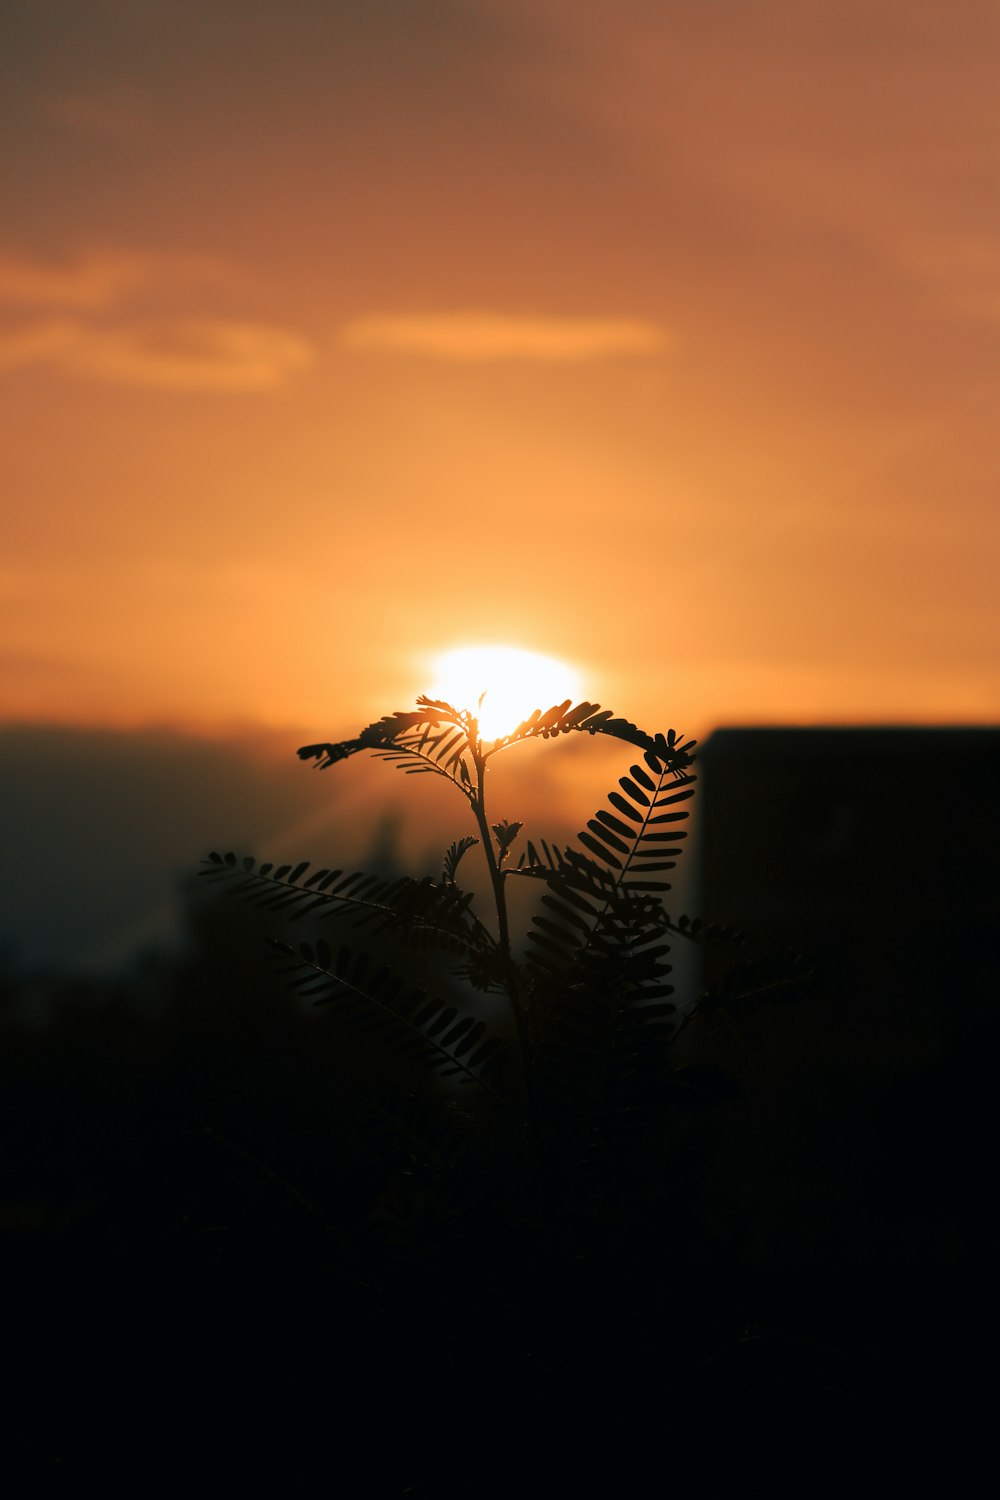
<point>498,881</point>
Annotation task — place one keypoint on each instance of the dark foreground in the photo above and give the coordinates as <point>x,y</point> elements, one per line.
<point>217,1271</point>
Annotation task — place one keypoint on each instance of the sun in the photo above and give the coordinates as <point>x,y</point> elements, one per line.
<point>514,683</point>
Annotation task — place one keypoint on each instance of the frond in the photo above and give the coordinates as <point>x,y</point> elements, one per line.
<point>630,849</point>
<point>603,1013</point>
<point>639,838</point>
<point>590,718</point>
<point>418,912</point>
<point>329,754</point>
<point>453,854</point>
<point>383,1009</point>
<point>443,754</point>
<point>433,740</point>
<point>697,930</point>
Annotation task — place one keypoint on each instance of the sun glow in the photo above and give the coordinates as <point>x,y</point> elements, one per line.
<point>514,682</point>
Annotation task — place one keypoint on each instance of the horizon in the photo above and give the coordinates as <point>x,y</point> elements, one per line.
<point>105,827</point>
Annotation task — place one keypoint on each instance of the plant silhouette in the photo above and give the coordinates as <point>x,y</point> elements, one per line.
<point>581,1066</point>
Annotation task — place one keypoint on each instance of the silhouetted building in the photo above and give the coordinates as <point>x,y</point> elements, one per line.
<point>876,850</point>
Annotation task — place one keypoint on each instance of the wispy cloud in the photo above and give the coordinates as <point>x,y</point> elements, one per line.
<point>105,277</point>
<point>93,318</point>
<point>480,337</point>
<point>192,354</point>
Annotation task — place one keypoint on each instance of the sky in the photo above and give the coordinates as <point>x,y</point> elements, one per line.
<point>660,337</point>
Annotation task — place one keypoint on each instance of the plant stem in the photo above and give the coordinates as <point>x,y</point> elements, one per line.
<point>496,874</point>
<point>499,882</point>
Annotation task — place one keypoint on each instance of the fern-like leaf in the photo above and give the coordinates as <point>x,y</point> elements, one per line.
<point>418,912</point>
<point>590,718</point>
<point>453,854</point>
<point>437,738</point>
<point>381,1007</point>
<point>432,739</point>
<point>599,963</point>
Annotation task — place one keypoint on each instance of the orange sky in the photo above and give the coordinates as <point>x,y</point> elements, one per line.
<point>659,336</point>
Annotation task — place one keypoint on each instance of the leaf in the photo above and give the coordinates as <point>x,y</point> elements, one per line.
<point>457,1032</point>
<point>602,832</point>
<point>600,850</point>
<point>634,792</point>
<point>328,755</point>
<point>442,1018</point>
<point>617,800</point>
<point>414,742</point>
<point>616,824</point>
<point>640,776</point>
<point>477,1030</point>
<point>566,915</point>
<point>678,796</point>
<point>562,934</point>
<point>453,855</point>
<point>506,832</point>
<point>592,719</point>
<point>417,912</point>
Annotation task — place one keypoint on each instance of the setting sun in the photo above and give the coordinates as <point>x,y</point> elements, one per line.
<point>514,683</point>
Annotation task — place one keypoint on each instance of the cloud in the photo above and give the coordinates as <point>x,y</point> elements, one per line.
<point>102,279</point>
<point>181,354</point>
<point>194,354</point>
<point>479,337</point>
<point>123,317</point>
